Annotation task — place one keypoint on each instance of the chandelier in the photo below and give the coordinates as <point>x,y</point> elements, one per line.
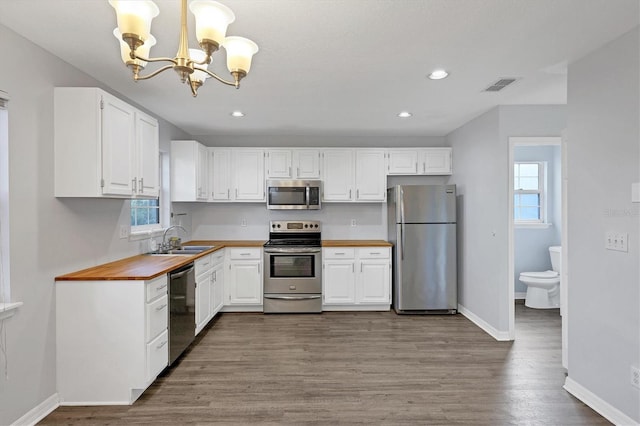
<point>212,18</point>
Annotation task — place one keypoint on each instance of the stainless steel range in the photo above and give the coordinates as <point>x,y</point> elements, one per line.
<point>293,267</point>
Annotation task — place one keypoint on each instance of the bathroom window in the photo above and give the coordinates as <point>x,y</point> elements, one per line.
<point>529,192</point>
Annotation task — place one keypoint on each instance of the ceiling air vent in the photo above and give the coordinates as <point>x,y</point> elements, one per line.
<point>500,84</point>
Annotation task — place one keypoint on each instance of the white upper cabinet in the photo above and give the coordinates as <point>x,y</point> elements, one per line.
<point>436,161</point>
<point>292,163</point>
<point>402,162</point>
<point>278,164</point>
<point>103,147</point>
<point>248,165</point>
<point>371,180</point>
<point>354,175</point>
<point>337,172</point>
<point>189,171</point>
<point>220,174</point>
<point>419,161</point>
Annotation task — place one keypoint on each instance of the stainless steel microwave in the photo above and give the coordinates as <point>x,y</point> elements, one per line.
<point>289,194</point>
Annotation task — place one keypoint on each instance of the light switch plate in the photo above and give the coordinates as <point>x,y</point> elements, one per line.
<point>617,241</point>
<point>124,231</point>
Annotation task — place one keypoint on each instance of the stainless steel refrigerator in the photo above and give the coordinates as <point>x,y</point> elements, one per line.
<point>422,228</point>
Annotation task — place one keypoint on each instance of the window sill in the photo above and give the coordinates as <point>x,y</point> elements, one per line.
<point>7,310</point>
<point>533,225</point>
<point>146,234</point>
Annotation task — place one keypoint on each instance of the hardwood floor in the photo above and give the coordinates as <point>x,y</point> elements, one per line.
<point>358,368</point>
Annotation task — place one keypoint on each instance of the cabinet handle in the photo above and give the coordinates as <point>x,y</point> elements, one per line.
<point>141,185</point>
<point>339,254</point>
<point>161,288</point>
<point>236,192</point>
<point>228,194</point>
<point>159,308</point>
<point>357,194</point>
<point>360,266</point>
<point>289,171</point>
<point>416,167</point>
<point>245,254</point>
<point>375,252</point>
<point>134,184</point>
<point>424,167</point>
<point>259,269</point>
<point>349,194</point>
<point>353,268</point>
<point>298,171</point>
<point>162,344</point>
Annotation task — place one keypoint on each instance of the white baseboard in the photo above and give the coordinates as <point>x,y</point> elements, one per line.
<point>600,406</point>
<point>502,336</point>
<point>40,412</point>
<point>520,295</point>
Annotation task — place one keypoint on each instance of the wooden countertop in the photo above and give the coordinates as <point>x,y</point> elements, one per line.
<point>146,267</point>
<point>355,243</point>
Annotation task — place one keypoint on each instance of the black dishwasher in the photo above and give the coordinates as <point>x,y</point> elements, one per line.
<point>182,310</point>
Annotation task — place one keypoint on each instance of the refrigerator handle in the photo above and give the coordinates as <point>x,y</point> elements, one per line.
<point>401,223</point>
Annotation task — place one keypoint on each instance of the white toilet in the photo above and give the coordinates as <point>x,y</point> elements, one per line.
<point>543,288</point>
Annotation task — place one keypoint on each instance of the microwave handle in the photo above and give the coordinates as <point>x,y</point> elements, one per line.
<point>308,195</point>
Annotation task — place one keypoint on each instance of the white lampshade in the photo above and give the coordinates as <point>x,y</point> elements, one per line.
<point>198,55</point>
<point>240,50</point>
<point>212,20</point>
<point>143,50</point>
<point>134,16</point>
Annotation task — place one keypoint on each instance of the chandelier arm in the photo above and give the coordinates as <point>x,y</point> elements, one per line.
<point>191,85</point>
<point>153,74</point>
<point>172,60</point>
<point>220,79</point>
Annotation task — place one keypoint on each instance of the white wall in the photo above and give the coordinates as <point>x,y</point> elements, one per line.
<point>532,244</point>
<point>48,236</point>
<point>603,161</point>
<point>324,140</point>
<point>481,174</point>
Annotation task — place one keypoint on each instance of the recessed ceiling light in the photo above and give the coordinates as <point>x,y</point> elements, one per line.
<point>237,114</point>
<point>404,114</point>
<point>438,75</point>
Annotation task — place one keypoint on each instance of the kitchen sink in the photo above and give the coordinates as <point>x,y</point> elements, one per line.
<point>183,251</point>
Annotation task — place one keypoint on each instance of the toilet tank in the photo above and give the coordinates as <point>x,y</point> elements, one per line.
<point>556,257</point>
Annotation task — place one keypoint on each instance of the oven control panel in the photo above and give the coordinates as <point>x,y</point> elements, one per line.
<point>295,226</point>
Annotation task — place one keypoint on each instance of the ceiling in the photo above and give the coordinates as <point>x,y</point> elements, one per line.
<point>344,67</point>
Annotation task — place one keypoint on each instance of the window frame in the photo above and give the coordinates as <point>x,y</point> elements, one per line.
<point>152,227</point>
<point>541,192</point>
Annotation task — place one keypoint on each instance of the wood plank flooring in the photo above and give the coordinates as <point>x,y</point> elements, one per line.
<point>358,368</point>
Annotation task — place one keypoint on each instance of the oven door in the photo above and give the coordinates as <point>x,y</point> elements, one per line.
<point>293,270</point>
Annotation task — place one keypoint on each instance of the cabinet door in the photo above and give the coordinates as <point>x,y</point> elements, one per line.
<point>338,175</point>
<point>436,161</point>
<point>148,155</point>
<point>202,173</point>
<point>249,174</point>
<point>118,146</point>
<point>245,283</point>
<point>339,283</point>
<point>371,179</point>
<point>306,164</point>
<point>403,162</point>
<point>278,163</point>
<point>217,289</point>
<point>220,172</point>
<point>203,300</point>
<point>374,282</point>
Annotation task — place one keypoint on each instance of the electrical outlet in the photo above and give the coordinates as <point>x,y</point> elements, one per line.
<point>635,377</point>
<point>124,231</point>
<point>353,223</point>
<point>243,222</point>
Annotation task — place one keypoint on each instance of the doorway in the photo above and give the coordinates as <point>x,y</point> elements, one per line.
<point>537,216</point>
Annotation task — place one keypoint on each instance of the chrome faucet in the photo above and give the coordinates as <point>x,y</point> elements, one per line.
<point>164,236</point>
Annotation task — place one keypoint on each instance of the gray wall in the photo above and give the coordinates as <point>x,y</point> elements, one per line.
<point>481,149</point>
<point>603,161</point>
<point>48,236</point>
<point>531,245</point>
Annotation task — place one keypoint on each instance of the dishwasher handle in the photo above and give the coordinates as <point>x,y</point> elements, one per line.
<point>182,271</point>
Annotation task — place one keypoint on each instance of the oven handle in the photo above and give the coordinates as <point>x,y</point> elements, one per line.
<point>292,297</point>
<point>293,250</point>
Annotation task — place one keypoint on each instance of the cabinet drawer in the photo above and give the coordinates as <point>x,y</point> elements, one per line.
<point>245,253</point>
<point>157,317</point>
<point>157,288</point>
<point>339,253</point>
<point>157,355</point>
<point>203,264</point>
<point>217,257</point>
<point>373,253</point>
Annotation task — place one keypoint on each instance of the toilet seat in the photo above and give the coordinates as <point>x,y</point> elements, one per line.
<point>545,274</point>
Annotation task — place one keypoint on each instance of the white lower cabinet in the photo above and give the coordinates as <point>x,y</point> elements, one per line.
<point>209,287</point>
<point>356,278</point>
<point>243,280</point>
<point>111,339</point>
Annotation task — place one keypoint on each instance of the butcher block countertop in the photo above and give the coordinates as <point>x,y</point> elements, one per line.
<point>355,243</point>
<point>146,267</point>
